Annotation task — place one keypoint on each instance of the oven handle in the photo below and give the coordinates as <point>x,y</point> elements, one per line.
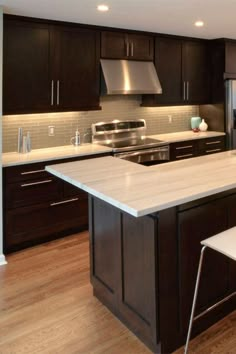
<point>143,152</point>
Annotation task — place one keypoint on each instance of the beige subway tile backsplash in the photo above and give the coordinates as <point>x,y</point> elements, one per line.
<point>113,107</point>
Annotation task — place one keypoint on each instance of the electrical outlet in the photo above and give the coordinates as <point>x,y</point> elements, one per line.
<point>170,118</point>
<point>51,130</point>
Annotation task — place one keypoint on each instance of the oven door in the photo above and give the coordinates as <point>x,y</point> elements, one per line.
<point>147,157</point>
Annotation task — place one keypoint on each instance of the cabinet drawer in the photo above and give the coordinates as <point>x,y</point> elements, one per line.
<point>33,192</point>
<point>211,145</point>
<point>25,172</point>
<point>36,222</point>
<point>183,150</point>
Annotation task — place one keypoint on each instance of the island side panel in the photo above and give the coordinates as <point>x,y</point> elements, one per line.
<point>105,248</point>
<point>138,297</point>
<point>123,267</point>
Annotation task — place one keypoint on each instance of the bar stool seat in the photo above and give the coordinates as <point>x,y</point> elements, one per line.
<point>225,243</point>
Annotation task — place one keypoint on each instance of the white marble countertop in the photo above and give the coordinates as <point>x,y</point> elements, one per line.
<point>54,153</point>
<point>60,152</point>
<point>186,135</point>
<point>141,190</point>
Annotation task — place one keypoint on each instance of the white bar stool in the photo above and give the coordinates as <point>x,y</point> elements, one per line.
<point>225,243</point>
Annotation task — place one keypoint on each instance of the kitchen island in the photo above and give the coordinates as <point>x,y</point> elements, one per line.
<point>146,224</point>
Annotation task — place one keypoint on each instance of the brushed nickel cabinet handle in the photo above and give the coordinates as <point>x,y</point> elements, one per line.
<point>132,49</point>
<point>36,183</point>
<point>213,150</point>
<point>52,93</point>
<point>127,48</point>
<point>183,147</point>
<point>181,156</point>
<point>184,89</point>
<point>58,92</point>
<point>213,142</point>
<point>64,201</point>
<point>31,172</point>
<point>187,90</point>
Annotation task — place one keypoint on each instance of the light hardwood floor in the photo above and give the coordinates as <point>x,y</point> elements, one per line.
<point>47,306</point>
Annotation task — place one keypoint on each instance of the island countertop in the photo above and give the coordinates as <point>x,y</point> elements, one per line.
<point>141,190</point>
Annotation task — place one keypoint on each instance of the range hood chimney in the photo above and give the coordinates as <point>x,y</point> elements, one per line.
<point>129,77</point>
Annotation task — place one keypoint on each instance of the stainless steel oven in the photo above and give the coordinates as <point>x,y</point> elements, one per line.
<point>128,141</point>
<point>147,157</point>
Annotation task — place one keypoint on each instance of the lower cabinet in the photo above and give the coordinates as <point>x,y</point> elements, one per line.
<point>39,207</point>
<point>198,147</point>
<point>144,269</point>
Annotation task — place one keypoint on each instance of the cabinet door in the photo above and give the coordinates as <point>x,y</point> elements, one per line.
<point>168,63</point>
<point>26,67</point>
<point>76,68</point>
<point>114,45</point>
<point>140,47</point>
<point>119,45</point>
<point>34,224</point>
<point>196,72</point>
<point>195,225</point>
<point>230,57</point>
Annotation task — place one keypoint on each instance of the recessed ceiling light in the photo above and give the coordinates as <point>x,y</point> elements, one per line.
<point>103,7</point>
<point>199,23</point>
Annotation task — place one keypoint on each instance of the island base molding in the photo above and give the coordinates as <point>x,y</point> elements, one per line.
<point>144,269</point>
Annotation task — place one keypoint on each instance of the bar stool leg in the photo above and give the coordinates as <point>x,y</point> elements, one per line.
<point>194,299</point>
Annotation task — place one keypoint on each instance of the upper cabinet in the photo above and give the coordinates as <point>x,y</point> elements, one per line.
<point>183,70</point>
<point>26,67</point>
<point>195,64</point>
<point>48,68</point>
<point>223,66</point>
<point>120,45</point>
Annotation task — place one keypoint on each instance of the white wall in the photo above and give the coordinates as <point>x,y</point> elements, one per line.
<point>2,258</point>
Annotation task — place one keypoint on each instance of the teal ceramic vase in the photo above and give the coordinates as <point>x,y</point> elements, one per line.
<point>195,122</point>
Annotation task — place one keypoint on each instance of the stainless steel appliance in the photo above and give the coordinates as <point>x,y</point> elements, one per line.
<point>231,113</point>
<point>128,141</point>
<point>129,77</point>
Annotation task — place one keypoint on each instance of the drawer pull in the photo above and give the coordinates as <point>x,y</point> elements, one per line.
<point>36,183</point>
<point>31,172</point>
<point>214,142</point>
<point>213,150</point>
<point>65,201</point>
<point>181,156</point>
<point>184,147</point>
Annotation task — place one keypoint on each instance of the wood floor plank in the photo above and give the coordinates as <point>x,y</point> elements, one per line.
<point>47,307</point>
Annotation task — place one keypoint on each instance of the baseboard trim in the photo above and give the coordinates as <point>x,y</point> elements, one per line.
<point>2,260</point>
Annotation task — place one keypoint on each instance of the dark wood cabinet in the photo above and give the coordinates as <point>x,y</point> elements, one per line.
<point>198,147</point>
<point>39,207</point>
<point>183,150</point>
<point>76,71</point>
<point>196,72</point>
<point>144,269</point>
<point>26,67</point>
<point>120,45</point>
<point>223,66</point>
<point>49,67</point>
<point>183,70</point>
<point>195,225</point>
<point>168,59</point>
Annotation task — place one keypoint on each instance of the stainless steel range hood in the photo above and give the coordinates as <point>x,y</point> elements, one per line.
<point>129,77</point>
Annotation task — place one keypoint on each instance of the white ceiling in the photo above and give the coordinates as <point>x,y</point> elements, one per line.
<point>163,16</point>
